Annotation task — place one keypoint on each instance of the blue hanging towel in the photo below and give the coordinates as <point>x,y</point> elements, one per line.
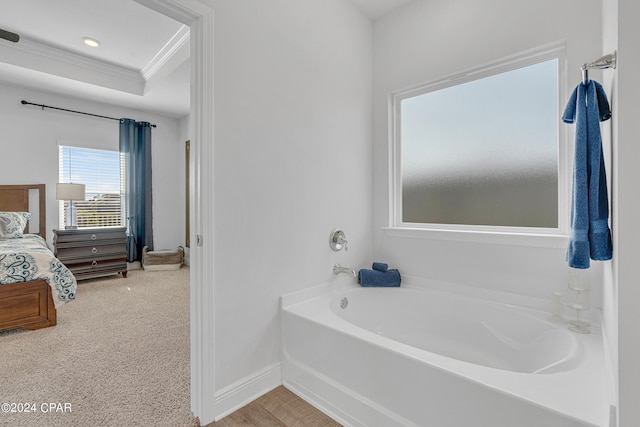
<point>590,235</point>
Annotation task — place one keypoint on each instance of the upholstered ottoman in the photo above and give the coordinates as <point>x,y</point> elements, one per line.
<point>165,259</point>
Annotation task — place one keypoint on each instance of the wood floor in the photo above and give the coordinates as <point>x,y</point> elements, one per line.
<point>278,408</point>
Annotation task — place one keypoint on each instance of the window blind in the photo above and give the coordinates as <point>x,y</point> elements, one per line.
<point>102,174</point>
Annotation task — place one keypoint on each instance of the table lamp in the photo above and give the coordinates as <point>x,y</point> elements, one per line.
<point>71,192</point>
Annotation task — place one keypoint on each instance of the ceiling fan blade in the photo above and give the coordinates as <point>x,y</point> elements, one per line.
<point>8,35</point>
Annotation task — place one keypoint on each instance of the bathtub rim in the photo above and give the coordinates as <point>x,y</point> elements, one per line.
<point>510,299</point>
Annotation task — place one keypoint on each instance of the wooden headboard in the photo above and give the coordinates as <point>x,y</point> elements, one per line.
<point>15,198</point>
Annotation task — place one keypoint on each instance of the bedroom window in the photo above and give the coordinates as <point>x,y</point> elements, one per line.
<point>479,151</point>
<point>102,172</point>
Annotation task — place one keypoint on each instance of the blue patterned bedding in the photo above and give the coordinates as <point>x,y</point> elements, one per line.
<point>28,258</point>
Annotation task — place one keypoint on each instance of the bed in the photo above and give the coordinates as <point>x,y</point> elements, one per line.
<point>33,282</point>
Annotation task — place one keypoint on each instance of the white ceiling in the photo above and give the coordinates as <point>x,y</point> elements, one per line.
<point>375,9</point>
<point>142,61</point>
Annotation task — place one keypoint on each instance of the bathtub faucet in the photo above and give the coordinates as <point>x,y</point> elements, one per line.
<point>337,269</point>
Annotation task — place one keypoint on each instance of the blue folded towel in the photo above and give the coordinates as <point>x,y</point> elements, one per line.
<point>377,278</point>
<point>590,234</point>
<point>380,266</point>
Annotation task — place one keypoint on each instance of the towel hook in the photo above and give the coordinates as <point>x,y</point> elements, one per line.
<point>606,61</point>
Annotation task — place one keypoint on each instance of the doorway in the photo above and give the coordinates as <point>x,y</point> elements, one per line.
<point>199,17</point>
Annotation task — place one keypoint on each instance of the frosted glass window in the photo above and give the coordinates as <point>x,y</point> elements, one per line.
<point>484,152</point>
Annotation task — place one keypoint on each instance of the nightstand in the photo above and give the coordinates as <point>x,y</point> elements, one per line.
<point>92,252</point>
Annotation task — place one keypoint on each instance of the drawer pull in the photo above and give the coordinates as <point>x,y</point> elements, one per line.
<point>94,250</point>
<point>94,237</point>
<point>94,263</point>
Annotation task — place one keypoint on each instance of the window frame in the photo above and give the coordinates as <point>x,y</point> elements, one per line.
<point>525,236</point>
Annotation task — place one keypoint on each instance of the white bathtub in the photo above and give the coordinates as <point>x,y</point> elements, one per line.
<point>418,357</point>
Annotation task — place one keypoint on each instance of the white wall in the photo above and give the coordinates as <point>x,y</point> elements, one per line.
<point>292,162</point>
<point>626,149</point>
<point>30,138</point>
<point>427,40</point>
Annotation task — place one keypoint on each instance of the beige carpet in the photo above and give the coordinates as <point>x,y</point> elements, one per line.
<point>119,356</point>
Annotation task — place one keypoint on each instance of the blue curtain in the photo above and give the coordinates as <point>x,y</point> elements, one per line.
<point>135,144</point>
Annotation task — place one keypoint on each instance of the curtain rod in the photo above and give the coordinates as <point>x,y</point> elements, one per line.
<point>23,102</point>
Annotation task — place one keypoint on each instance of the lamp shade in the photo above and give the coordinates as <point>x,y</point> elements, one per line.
<point>68,191</point>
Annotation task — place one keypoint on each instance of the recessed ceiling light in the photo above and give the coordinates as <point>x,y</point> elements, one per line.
<point>91,42</point>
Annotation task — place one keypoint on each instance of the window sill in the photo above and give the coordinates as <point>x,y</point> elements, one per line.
<point>541,240</point>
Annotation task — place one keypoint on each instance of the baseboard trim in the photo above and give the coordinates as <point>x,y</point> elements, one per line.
<point>344,405</point>
<point>322,404</point>
<point>246,390</point>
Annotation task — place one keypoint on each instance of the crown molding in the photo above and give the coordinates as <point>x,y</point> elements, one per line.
<point>178,42</point>
<point>43,57</point>
<point>172,55</point>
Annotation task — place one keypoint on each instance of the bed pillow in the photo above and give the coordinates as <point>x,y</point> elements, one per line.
<point>12,224</point>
